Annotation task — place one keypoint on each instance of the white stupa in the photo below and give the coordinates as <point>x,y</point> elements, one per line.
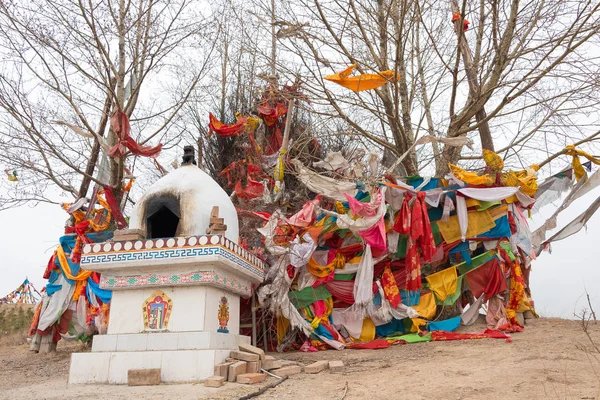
<point>175,293</point>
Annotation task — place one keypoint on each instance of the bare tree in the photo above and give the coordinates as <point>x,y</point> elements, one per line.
<point>521,78</point>
<point>67,65</point>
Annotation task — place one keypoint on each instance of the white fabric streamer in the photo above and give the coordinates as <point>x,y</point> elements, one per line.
<point>300,253</point>
<point>333,160</point>
<point>469,317</point>
<point>363,283</point>
<point>463,216</point>
<point>329,187</point>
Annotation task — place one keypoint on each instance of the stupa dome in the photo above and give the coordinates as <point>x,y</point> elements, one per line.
<point>180,204</point>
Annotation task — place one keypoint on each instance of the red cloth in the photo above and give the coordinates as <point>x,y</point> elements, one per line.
<point>50,267</point>
<point>402,224</point>
<point>487,279</point>
<point>487,334</point>
<point>120,125</point>
<point>224,130</point>
<point>421,237</point>
<point>271,114</point>
<point>372,345</point>
<point>344,290</point>
<point>390,288</point>
<point>114,207</point>
<point>256,214</point>
<point>275,142</point>
<point>252,190</point>
<point>351,250</point>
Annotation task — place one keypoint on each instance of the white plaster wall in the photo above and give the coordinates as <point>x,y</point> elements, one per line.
<point>126,312</point>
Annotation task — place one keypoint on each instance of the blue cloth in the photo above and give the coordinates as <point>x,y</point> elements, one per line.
<point>463,250</point>
<point>322,331</point>
<point>103,294</point>
<point>432,184</point>
<point>435,214</point>
<point>501,230</point>
<point>52,288</point>
<point>377,299</point>
<point>394,326</point>
<point>410,298</point>
<point>448,325</point>
<point>67,242</point>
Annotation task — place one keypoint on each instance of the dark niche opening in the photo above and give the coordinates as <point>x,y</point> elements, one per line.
<point>162,216</point>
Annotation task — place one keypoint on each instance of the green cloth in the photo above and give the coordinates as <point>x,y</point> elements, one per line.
<point>344,277</point>
<point>451,299</point>
<point>506,246</point>
<point>412,338</point>
<point>437,236</point>
<point>402,246</point>
<point>307,296</point>
<point>484,205</point>
<point>477,262</point>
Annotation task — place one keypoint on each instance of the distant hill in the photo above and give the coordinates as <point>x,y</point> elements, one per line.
<point>15,320</point>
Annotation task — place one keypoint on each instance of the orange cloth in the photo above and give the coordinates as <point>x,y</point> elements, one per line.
<point>224,130</point>
<point>322,271</point>
<point>361,82</point>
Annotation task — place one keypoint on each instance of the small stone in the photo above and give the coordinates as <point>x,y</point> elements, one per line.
<point>254,350</point>
<point>214,381</point>
<point>222,369</point>
<point>271,364</point>
<point>269,358</point>
<point>243,356</point>
<point>336,366</point>
<point>253,367</point>
<point>249,379</point>
<point>288,371</point>
<point>143,377</point>
<point>235,369</point>
<point>316,367</point>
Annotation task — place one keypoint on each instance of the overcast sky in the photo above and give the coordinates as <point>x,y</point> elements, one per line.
<point>558,280</point>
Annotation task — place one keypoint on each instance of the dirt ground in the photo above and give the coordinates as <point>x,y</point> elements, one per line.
<point>552,359</point>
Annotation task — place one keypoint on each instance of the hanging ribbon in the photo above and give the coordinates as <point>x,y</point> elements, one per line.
<point>570,150</point>
<point>119,123</point>
<point>114,207</point>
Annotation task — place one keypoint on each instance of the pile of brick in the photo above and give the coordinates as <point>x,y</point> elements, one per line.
<point>247,364</point>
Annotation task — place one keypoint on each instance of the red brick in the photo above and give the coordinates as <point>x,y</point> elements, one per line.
<point>287,371</point>
<point>235,369</point>
<point>214,381</point>
<point>254,350</point>
<point>243,356</point>
<point>316,367</point>
<point>253,367</point>
<point>251,378</point>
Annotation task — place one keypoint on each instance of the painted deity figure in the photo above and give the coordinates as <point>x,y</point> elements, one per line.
<point>223,315</point>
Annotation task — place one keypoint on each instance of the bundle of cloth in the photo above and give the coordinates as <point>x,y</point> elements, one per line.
<point>399,259</point>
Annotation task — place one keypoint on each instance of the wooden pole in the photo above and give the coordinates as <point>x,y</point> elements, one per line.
<point>253,319</point>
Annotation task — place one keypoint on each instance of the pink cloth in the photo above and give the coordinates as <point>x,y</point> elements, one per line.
<point>375,235</point>
<point>496,314</point>
<point>364,209</point>
<point>306,216</point>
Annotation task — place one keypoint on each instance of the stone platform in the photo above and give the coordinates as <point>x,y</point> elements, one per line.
<point>181,356</point>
